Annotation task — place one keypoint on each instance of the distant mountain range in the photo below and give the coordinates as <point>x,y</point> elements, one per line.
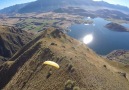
<point>49,5</point>
<point>103,13</point>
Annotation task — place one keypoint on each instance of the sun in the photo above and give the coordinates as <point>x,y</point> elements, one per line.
<point>88,38</point>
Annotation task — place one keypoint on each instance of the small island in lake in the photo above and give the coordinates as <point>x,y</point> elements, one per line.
<point>116,27</point>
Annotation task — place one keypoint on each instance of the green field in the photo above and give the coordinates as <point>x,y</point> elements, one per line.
<point>35,24</point>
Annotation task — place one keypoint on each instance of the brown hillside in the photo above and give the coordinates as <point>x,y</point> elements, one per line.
<point>11,40</point>
<point>78,63</point>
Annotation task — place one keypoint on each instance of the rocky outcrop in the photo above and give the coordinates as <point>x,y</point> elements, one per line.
<point>121,56</point>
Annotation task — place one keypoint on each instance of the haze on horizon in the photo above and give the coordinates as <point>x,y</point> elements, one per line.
<point>119,2</point>
<point>7,3</point>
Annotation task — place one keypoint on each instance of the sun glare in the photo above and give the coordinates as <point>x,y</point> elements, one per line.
<point>88,38</point>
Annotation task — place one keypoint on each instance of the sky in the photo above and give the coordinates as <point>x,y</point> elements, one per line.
<point>7,3</point>
<point>120,2</point>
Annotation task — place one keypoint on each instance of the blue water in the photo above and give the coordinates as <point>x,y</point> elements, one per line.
<point>104,40</point>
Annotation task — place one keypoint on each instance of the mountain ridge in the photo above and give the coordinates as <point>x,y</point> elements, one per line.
<point>77,62</point>
<point>11,40</point>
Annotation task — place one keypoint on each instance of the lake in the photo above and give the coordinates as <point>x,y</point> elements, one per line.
<point>104,40</point>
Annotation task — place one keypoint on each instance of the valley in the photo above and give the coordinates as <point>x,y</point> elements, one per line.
<point>61,18</point>
<point>40,21</point>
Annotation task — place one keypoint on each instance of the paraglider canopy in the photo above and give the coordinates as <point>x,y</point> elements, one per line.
<point>52,63</point>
